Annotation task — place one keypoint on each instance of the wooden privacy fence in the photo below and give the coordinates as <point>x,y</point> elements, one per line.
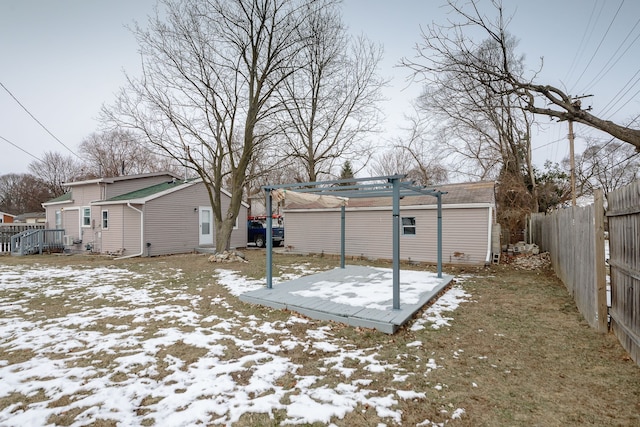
<point>623,214</point>
<point>574,238</point>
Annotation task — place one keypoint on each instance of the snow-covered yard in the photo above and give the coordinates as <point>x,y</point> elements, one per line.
<point>82,344</point>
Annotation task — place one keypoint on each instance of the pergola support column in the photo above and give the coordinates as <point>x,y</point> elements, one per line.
<point>396,243</point>
<point>269,237</point>
<point>342,235</point>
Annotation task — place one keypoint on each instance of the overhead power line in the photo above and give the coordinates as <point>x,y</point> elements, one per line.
<point>611,63</point>
<point>20,148</point>
<point>582,44</point>
<point>604,36</point>
<point>38,121</point>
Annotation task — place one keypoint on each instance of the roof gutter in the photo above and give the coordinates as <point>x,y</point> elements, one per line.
<point>141,234</point>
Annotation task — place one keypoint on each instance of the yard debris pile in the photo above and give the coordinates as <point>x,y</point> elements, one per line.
<point>531,261</point>
<point>521,248</point>
<point>228,256</point>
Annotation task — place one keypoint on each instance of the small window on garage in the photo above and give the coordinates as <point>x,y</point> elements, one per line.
<point>408,225</point>
<point>105,220</point>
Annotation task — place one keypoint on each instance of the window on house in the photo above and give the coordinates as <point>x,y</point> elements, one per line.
<point>409,225</point>
<point>58,219</point>
<point>86,217</point>
<point>105,220</point>
<point>235,226</point>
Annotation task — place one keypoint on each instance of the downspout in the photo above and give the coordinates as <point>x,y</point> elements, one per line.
<point>488,260</point>
<point>141,234</point>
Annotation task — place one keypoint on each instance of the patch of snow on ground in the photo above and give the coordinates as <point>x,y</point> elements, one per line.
<point>374,294</point>
<point>146,383</point>
<point>446,303</point>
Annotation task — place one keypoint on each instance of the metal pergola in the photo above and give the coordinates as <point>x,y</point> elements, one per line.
<point>381,186</point>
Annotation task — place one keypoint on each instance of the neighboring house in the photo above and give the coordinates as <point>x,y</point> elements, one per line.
<point>32,218</point>
<point>468,216</point>
<point>6,218</point>
<point>139,215</point>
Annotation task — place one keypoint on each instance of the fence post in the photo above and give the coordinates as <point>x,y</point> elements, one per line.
<point>599,265</point>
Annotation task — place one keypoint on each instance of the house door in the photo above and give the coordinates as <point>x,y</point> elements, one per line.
<point>206,226</point>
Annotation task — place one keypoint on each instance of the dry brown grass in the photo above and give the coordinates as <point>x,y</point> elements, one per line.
<point>518,353</point>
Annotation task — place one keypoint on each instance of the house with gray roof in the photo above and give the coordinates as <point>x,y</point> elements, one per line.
<point>139,215</point>
<point>468,226</point>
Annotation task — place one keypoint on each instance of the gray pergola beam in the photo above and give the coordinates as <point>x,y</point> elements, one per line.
<point>382,186</point>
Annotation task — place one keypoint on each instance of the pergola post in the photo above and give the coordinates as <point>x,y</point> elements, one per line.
<point>269,237</point>
<point>396,243</point>
<point>342,235</point>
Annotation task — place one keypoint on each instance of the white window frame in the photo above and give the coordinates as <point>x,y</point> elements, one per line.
<point>235,226</point>
<point>83,217</point>
<point>407,227</point>
<point>58,219</point>
<point>104,220</point>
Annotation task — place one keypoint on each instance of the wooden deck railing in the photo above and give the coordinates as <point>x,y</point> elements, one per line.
<point>37,241</point>
<point>9,230</point>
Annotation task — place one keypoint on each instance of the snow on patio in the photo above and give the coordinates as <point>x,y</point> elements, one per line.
<point>141,384</point>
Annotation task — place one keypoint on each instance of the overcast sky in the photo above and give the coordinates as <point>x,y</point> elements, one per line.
<point>63,59</point>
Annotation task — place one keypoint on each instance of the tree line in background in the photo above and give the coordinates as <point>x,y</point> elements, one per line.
<point>244,93</point>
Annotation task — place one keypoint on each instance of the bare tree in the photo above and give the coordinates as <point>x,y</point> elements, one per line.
<point>54,170</point>
<point>483,121</point>
<point>331,102</point>
<point>119,152</point>
<point>607,165</point>
<point>206,96</point>
<point>417,155</point>
<point>486,132</point>
<point>22,193</point>
<point>452,46</point>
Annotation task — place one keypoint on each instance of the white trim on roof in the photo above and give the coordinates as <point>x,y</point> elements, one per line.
<point>61,202</point>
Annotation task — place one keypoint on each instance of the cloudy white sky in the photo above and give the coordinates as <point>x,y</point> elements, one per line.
<point>63,59</point>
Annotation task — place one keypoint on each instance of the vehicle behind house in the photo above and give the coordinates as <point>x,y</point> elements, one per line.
<point>257,231</point>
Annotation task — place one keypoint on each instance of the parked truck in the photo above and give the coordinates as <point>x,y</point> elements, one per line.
<point>257,231</point>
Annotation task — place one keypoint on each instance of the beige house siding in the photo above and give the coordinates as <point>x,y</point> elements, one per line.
<point>171,218</point>
<point>123,233</point>
<point>131,230</point>
<point>71,222</point>
<point>368,233</point>
<point>172,221</point>
<point>118,188</point>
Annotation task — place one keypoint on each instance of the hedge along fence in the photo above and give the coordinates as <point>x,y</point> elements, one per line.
<point>574,238</point>
<point>624,260</point>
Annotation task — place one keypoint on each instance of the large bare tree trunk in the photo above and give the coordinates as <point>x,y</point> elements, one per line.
<point>211,70</point>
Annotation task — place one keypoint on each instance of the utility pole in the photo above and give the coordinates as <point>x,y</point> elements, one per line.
<point>572,164</point>
<point>575,101</point>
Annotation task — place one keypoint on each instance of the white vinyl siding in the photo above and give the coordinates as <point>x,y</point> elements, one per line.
<point>126,186</point>
<point>369,234</point>
<point>172,221</point>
